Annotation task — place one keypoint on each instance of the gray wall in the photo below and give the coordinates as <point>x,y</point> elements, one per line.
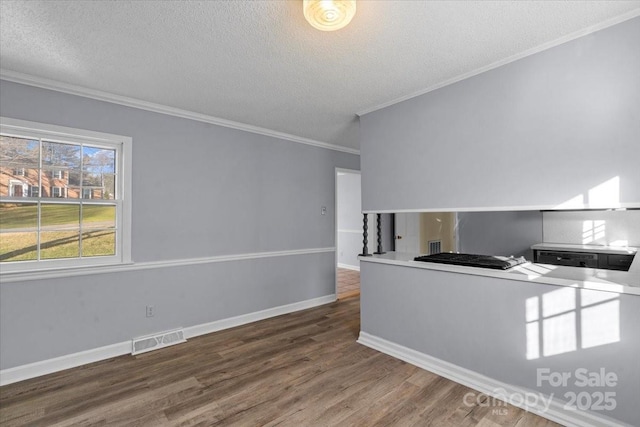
<point>479,323</point>
<point>593,227</point>
<point>536,132</point>
<point>199,190</point>
<point>499,233</point>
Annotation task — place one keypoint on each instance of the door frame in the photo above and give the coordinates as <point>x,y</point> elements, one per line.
<point>335,222</point>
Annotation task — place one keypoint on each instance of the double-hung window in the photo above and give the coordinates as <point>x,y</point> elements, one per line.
<point>52,223</point>
<point>34,191</point>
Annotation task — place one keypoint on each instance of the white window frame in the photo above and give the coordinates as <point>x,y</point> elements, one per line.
<point>57,174</point>
<point>31,188</point>
<point>19,172</point>
<point>122,144</point>
<point>55,190</point>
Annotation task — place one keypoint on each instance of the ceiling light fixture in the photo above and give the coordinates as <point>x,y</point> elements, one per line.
<point>329,15</point>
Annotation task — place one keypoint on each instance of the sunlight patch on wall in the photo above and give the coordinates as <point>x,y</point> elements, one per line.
<point>600,319</point>
<point>590,297</point>
<point>559,301</point>
<point>605,195</point>
<point>532,312</point>
<point>593,231</point>
<point>533,341</point>
<point>575,202</point>
<point>566,320</point>
<point>559,321</point>
<point>559,334</point>
<point>600,324</point>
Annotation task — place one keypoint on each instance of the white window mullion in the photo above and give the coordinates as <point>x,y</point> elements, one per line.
<point>80,230</point>
<point>81,199</point>
<point>39,204</point>
<point>38,211</point>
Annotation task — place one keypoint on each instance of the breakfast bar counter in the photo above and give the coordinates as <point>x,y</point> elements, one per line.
<point>625,282</point>
<point>496,331</point>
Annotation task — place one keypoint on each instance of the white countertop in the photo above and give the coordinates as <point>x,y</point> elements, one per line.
<point>618,250</point>
<point>625,282</point>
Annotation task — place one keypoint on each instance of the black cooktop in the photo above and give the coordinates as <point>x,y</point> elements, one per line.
<point>473,260</point>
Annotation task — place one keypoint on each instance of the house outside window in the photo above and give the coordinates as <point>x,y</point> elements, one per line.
<point>56,191</point>
<point>47,223</point>
<point>19,172</point>
<point>16,188</point>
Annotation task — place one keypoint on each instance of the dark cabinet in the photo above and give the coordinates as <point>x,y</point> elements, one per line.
<point>584,259</point>
<point>618,262</point>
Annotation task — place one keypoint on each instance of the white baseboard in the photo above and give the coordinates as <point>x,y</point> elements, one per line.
<point>231,322</point>
<point>349,267</point>
<point>49,366</point>
<point>489,386</point>
<point>68,361</point>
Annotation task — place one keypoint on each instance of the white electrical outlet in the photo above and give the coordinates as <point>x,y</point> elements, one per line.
<point>151,311</point>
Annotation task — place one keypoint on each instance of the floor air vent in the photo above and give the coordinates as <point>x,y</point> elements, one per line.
<point>435,247</point>
<point>156,341</point>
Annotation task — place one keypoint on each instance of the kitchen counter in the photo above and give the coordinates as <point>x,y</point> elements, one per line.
<point>623,282</point>
<point>496,330</point>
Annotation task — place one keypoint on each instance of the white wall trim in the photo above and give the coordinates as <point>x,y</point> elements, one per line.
<point>349,231</point>
<point>58,273</point>
<point>349,267</point>
<point>44,367</point>
<point>36,369</point>
<point>232,322</point>
<point>343,170</point>
<point>71,89</point>
<point>486,385</point>
<point>569,37</point>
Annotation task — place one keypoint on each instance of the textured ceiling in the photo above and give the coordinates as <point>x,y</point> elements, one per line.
<point>260,63</point>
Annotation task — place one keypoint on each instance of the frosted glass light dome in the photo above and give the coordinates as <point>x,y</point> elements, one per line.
<point>329,15</point>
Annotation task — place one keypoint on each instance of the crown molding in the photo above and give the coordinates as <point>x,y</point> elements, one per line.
<point>567,38</point>
<point>26,79</point>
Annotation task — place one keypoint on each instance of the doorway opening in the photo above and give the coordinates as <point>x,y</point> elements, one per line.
<point>348,232</point>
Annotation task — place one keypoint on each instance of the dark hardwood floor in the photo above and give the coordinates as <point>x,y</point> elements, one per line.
<point>300,369</point>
